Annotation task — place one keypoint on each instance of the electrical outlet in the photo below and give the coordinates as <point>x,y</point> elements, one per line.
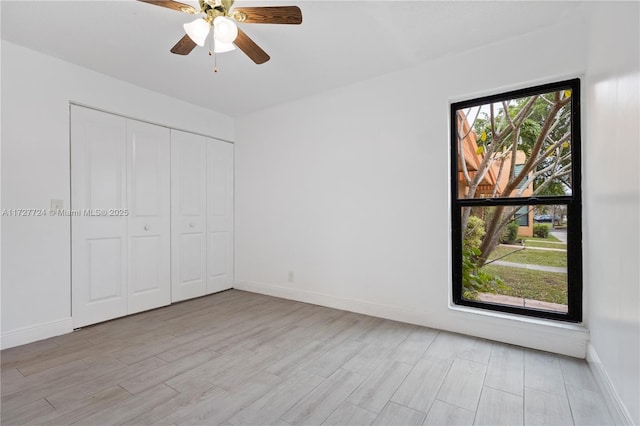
<point>57,204</point>
<point>290,276</point>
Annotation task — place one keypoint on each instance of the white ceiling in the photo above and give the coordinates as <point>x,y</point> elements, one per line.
<point>338,43</point>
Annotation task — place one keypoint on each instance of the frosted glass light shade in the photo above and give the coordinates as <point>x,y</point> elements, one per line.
<point>224,30</point>
<point>220,47</point>
<point>197,31</point>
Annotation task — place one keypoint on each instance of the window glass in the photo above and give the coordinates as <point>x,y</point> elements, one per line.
<point>516,201</point>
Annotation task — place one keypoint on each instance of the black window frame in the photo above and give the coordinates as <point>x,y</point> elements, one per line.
<point>573,204</point>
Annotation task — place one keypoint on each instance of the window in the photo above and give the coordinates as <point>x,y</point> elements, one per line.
<point>522,216</point>
<point>516,202</point>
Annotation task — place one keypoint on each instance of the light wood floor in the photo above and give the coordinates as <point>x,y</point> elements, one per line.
<point>245,359</point>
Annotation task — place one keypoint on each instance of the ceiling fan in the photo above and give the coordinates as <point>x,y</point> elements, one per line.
<point>220,17</point>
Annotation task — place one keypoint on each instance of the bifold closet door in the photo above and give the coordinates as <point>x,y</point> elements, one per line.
<point>120,199</point>
<point>99,241</point>
<point>188,215</point>
<point>149,216</point>
<point>219,216</point>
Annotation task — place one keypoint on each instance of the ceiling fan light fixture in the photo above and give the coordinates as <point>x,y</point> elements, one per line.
<point>220,47</point>
<point>224,30</point>
<point>197,31</point>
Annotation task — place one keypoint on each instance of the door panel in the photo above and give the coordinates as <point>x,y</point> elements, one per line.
<point>188,215</point>
<point>219,216</point>
<point>218,243</point>
<point>98,242</point>
<point>191,253</point>
<point>105,269</point>
<point>146,182</point>
<point>145,273</point>
<point>149,220</point>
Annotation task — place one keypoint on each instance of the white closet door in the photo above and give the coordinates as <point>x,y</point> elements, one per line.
<point>219,216</point>
<point>188,215</point>
<point>99,246</point>
<point>149,218</point>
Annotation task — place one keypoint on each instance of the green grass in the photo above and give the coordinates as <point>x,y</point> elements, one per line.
<point>544,244</point>
<point>530,256</point>
<point>536,285</point>
<point>550,238</point>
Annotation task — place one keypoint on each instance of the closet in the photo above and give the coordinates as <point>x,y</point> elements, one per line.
<point>201,215</point>
<point>142,238</point>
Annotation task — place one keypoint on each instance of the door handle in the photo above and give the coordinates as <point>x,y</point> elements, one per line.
<point>146,227</point>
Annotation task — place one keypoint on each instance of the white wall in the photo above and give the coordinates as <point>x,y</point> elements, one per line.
<point>612,199</point>
<point>350,190</point>
<point>36,91</point>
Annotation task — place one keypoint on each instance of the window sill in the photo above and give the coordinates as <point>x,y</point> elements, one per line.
<point>520,318</point>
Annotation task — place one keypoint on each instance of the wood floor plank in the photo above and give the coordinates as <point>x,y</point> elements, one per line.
<point>359,325</point>
<point>131,407</point>
<point>320,315</point>
<point>376,391</point>
<point>478,351</point>
<point>65,397</point>
<point>414,346</point>
<point>292,339</point>
<point>231,361</point>
<point>267,337</point>
<point>27,413</point>
<point>220,408</point>
<point>235,340</point>
<point>542,408</point>
<point>330,361</point>
<point>290,364</point>
<point>228,378</point>
<point>463,384</point>
<point>498,408</point>
<point>588,407</point>
<point>442,413</point>
<point>38,380</point>
<point>134,354</point>
<point>506,369</point>
<point>542,372</point>
<point>386,333</point>
<point>268,408</point>
<point>13,357</point>
<point>83,408</point>
<point>176,352</point>
<point>369,358</point>
<point>349,414</point>
<point>65,354</point>
<point>318,405</point>
<point>394,414</point>
<point>421,385</point>
<point>576,373</point>
<point>448,345</point>
<point>78,372</point>
<point>165,372</point>
<point>200,390</point>
<point>12,380</point>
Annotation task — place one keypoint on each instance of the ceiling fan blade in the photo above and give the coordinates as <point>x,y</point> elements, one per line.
<point>180,7</point>
<point>184,46</point>
<point>268,15</point>
<point>250,48</point>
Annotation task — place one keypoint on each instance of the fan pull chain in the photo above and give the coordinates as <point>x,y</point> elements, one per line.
<point>215,57</point>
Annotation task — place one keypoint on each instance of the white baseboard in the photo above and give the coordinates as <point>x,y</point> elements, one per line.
<point>618,410</point>
<point>34,333</point>
<point>565,339</point>
<point>358,306</point>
